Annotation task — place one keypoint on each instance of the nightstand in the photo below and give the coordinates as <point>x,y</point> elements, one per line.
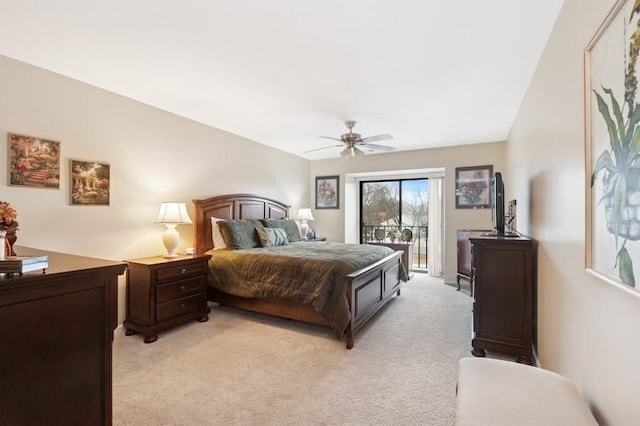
<point>162,293</point>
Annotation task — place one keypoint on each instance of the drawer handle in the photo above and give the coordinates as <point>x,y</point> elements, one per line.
<point>182,288</point>
<point>182,305</point>
<point>183,270</point>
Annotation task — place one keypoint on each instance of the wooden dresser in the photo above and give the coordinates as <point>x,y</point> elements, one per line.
<point>57,330</point>
<point>504,295</point>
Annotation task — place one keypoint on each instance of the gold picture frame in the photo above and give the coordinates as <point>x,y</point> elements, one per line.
<point>33,162</point>
<point>90,183</point>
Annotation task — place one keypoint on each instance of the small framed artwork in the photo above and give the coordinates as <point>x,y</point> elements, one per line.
<point>89,183</point>
<point>327,192</point>
<point>33,162</point>
<point>612,164</point>
<point>472,187</point>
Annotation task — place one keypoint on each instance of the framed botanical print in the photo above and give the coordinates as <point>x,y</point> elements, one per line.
<point>472,187</point>
<point>612,149</point>
<point>327,192</point>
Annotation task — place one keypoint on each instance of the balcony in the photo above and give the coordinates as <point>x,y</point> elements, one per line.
<point>419,241</point>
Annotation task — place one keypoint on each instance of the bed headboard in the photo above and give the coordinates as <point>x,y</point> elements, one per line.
<point>232,206</point>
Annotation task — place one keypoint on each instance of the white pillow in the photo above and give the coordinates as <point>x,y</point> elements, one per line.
<point>218,241</point>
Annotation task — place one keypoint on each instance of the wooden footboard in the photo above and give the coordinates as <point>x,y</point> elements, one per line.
<point>367,290</point>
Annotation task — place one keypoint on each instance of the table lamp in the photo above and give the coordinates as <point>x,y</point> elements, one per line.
<point>171,215</point>
<point>304,215</point>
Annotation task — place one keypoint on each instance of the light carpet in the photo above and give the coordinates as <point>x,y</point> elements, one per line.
<point>241,368</point>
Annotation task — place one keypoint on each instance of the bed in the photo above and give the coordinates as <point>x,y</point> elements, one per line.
<point>362,291</point>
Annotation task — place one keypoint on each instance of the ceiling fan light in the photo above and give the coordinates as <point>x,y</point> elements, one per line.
<point>357,152</point>
<point>346,153</point>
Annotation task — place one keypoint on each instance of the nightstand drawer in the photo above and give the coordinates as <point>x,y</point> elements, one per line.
<point>177,290</point>
<point>178,307</point>
<point>180,271</point>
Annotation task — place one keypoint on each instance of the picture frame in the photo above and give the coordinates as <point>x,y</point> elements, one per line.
<point>33,162</point>
<point>89,183</point>
<point>327,192</point>
<point>612,144</point>
<point>472,187</point>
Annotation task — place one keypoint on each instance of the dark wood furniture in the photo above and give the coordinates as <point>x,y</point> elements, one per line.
<point>162,293</point>
<point>367,289</point>
<point>407,254</point>
<point>464,255</point>
<point>503,291</point>
<point>57,329</point>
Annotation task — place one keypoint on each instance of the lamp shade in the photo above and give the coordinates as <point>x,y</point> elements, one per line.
<point>304,214</point>
<point>173,212</point>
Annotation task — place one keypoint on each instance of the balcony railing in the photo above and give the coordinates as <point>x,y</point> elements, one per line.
<point>419,233</point>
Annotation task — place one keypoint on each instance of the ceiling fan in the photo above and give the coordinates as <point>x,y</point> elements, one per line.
<point>354,140</point>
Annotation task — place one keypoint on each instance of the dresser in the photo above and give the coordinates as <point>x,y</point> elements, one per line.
<point>504,295</point>
<point>163,292</point>
<point>57,329</point>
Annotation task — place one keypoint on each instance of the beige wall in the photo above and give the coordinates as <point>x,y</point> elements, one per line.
<point>331,223</point>
<point>154,156</point>
<point>588,330</point>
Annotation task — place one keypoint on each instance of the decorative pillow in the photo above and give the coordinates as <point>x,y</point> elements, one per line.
<point>240,234</point>
<point>272,237</point>
<point>290,227</point>
<point>216,235</point>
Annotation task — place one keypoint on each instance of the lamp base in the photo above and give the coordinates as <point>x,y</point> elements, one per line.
<point>304,228</point>
<point>171,238</point>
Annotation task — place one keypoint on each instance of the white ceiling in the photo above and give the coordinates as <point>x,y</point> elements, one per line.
<point>432,73</point>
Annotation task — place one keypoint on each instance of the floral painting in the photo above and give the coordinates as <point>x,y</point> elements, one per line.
<point>327,192</point>
<point>613,148</point>
<point>33,162</point>
<point>89,183</point>
<point>472,187</point>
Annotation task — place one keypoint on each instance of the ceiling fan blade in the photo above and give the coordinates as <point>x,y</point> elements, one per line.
<point>329,137</point>
<point>324,147</point>
<point>378,147</point>
<point>376,138</point>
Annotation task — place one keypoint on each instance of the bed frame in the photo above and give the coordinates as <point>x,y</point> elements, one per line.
<point>368,289</point>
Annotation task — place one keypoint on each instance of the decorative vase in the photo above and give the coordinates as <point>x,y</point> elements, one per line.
<point>10,239</point>
<point>3,243</point>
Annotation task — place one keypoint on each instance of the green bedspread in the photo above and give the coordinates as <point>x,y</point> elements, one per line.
<point>306,272</point>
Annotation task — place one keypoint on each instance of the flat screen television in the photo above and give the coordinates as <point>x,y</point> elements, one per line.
<point>496,199</point>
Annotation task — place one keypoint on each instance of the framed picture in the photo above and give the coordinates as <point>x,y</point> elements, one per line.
<point>89,183</point>
<point>472,187</point>
<point>612,148</point>
<point>327,192</point>
<point>33,162</point>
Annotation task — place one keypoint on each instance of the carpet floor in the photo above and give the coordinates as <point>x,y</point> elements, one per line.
<point>241,368</point>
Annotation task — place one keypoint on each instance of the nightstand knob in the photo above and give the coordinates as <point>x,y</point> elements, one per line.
<point>183,270</point>
<point>182,288</point>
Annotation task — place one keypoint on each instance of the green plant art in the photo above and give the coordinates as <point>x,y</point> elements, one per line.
<point>620,165</point>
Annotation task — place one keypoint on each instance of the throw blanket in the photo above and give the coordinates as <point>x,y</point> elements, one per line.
<point>306,272</point>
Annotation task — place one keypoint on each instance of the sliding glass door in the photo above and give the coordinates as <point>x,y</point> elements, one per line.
<point>396,210</point>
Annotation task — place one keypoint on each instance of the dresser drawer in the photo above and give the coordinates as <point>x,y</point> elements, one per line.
<point>179,289</point>
<point>178,307</point>
<point>179,271</point>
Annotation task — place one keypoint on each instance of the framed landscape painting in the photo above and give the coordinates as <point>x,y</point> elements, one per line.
<point>89,183</point>
<point>472,187</point>
<point>612,148</point>
<point>33,162</point>
<point>327,192</point>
